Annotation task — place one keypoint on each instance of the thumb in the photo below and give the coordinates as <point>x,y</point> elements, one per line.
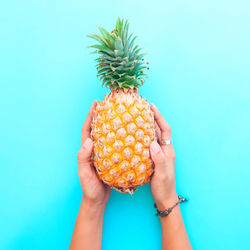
<point>157,155</point>
<point>84,155</point>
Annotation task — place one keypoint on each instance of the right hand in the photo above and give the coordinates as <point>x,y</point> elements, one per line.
<point>162,184</point>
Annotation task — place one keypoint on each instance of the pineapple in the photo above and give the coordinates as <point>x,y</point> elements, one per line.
<point>123,124</point>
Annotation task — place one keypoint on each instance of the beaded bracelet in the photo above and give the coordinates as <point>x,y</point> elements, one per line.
<point>169,210</point>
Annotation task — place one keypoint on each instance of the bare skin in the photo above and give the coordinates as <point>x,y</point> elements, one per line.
<point>88,227</point>
<point>163,188</point>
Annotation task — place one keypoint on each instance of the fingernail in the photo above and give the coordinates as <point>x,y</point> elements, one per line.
<point>87,143</point>
<point>155,147</point>
<point>94,103</point>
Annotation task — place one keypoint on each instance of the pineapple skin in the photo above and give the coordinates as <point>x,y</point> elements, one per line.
<point>123,128</point>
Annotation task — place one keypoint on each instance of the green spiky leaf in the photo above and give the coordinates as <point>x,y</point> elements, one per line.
<point>120,64</point>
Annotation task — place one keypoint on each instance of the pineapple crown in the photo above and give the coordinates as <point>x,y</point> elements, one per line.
<point>120,64</point>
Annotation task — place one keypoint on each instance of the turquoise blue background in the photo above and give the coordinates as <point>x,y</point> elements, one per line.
<point>199,53</point>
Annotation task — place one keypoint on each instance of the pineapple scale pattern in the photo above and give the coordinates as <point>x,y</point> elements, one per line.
<point>123,129</point>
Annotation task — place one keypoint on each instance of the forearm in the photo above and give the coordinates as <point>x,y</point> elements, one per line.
<point>88,227</point>
<point>174,235</point>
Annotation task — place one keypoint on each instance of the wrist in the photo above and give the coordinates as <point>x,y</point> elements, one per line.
<point>164,204</point>
<point>93,209</point>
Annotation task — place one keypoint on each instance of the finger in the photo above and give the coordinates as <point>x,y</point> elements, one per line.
<point>86,128</point>
<point>163,125</point>
<point>158,133</point>
<point>84,155</point>
<point>157,156</point>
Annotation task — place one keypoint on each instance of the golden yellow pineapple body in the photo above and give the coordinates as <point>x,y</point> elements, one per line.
<point>122,130</point>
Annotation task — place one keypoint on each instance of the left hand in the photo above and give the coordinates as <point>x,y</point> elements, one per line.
<point>95,192</point>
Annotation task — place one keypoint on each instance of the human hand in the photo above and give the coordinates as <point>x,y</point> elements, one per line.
<point>162,184</point>
<point>95,193</point>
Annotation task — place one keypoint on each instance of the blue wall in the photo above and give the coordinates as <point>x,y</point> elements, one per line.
<point>199,53</point>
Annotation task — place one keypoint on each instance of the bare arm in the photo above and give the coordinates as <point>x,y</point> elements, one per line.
<point>163,188</point>
<point>88,227</point>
